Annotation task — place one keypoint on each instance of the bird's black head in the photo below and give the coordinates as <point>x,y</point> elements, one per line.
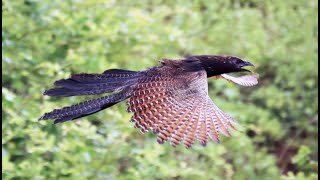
<point>216,65</point>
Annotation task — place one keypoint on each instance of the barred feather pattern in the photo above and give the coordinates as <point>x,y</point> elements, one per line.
<point>245,80</point>
<point>110,73</point>
<point>178,112</point>
<point>171,100</point>
<point>84,108</point>
<point>150,100</point>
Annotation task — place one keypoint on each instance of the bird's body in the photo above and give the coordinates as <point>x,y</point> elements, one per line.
<point>171,99</point>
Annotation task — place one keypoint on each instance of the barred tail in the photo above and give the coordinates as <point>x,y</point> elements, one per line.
<point>84,108</point>
<point>91,84</point>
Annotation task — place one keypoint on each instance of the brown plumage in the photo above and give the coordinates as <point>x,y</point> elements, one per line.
<point>171,100</point>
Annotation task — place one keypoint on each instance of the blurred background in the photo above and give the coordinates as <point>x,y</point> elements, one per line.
<point>43,41</point>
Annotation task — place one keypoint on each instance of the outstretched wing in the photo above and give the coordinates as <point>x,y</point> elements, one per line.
<point>178,108</point>
<point>246,80</point>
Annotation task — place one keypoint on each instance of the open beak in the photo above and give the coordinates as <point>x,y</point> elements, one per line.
<point>246,63</point>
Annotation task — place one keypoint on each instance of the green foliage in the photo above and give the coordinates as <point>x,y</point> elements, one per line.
<point>43,41</point>
<point>302,157</point>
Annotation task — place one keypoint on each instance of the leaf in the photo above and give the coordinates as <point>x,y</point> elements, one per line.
<point>302,156</point>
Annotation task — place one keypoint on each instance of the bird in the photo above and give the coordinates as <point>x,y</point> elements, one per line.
<point>171,99</point>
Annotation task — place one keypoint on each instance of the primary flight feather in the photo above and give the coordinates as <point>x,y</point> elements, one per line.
<point>171,99</point>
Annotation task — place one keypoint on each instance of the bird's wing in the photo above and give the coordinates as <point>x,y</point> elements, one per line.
<point>178,109</point>
<point>246,80</point>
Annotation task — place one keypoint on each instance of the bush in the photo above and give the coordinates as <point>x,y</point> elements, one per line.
<point>43,41</point>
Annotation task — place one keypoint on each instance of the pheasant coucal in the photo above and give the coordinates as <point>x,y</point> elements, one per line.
<point>171,99</point>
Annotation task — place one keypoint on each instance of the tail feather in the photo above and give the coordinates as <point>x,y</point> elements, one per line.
<point>75,92</point>
<point>110,75</point>
<point>91,84</point>
<point>84,108</point>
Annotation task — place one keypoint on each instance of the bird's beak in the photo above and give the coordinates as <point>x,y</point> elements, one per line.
<point>246,63</point>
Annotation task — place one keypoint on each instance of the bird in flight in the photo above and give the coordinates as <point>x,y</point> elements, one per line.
<point>171,99</point>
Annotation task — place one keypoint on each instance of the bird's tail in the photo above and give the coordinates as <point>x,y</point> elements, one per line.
<point>114,80</point>
<point>85,108</point>
<point>91,84</point>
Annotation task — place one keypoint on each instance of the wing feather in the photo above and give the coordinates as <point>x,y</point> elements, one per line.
<point>227,120</point>
<point>212,133</point>
<point>166,128</point>
<point>220,119</point>
<point>246,80</point>
<point>178,109</point>
<point>192,128</point>
<point>180,131</point>
<point>148,118</point>
<point>173,124</point>
<point>202,126</point>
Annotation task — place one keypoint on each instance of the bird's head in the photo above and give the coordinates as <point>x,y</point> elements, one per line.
<point>216,65</point>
